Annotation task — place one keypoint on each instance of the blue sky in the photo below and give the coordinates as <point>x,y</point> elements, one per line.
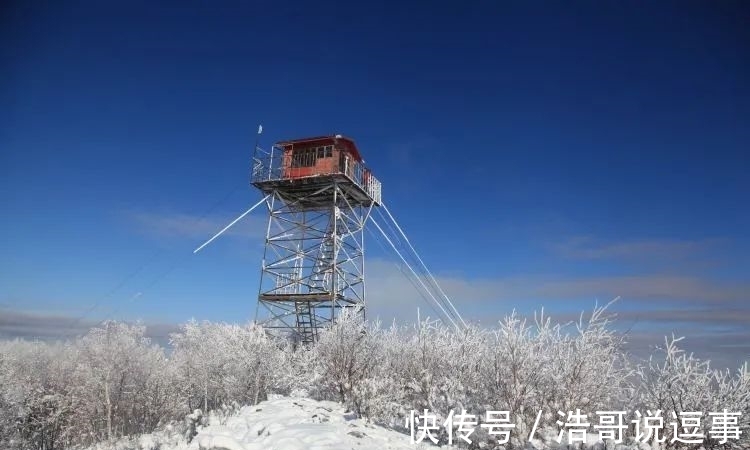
<point>537,153</point>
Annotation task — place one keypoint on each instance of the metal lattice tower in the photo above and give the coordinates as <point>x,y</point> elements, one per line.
<point>319,197</point>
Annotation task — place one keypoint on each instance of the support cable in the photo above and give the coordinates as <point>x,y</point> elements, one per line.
<point>448,316</point>
<point>416,262</point>
<point>423,264</point>
<point>232,223</point>
<point>406,275</point>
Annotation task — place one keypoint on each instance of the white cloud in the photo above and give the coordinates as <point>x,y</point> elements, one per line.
<point>182,225</point>
<point>590,248</point>
<point>390,293</point>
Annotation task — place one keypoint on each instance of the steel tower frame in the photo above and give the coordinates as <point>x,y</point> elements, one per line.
<point>313,265</point>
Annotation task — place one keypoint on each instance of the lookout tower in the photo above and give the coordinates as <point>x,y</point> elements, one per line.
<point>319,197</point>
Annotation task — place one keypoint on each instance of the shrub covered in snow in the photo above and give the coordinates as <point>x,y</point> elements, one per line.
<point>112,384</point>
<point>36,394</point>
<point>219,363</point>
<point>675,381</point>
<point>124,383</point>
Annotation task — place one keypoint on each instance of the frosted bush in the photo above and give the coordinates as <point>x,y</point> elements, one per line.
<point>113,384</point>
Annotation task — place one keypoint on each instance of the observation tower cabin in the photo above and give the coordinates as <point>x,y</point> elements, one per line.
<point>301,169</point>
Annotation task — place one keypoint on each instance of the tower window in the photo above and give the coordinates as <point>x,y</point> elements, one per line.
<point>308,157</point>
<point>305,157</point>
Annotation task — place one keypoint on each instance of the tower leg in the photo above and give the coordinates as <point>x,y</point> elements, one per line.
<point>313,263</point>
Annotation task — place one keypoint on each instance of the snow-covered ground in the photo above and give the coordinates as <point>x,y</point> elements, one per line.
<point>282,423</point>
<point>297,423</point>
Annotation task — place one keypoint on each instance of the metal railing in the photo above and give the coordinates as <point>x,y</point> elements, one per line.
<point>273,165</point>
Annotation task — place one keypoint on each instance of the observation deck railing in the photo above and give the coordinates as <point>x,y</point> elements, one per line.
<point>273,166</point>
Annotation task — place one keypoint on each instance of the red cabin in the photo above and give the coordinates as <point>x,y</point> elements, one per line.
<point>301,167</point>
<point>323,155</point>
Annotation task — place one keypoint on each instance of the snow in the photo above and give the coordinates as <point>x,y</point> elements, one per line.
<point>288,423</point>
<point>297,423</point>
<point>281,423</point>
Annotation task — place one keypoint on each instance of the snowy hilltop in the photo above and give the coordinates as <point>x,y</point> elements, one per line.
<point>298,423</point>
<point>282,423</point>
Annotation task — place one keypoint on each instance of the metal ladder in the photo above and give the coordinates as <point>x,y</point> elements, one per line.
<point>306,323</point>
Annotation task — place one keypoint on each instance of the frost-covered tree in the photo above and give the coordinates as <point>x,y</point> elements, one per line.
<point>200,364</point>
<point>551,367</point>
<point>514,370</point>
<point>345,356</point>
<point>124,382</point>
<point>220,364</point>
<point>113,382</point>
<point>675,381</point>
<point>252,362</point>
<point>381,395</point>
<point>591,368</point>
<point>441,367</point>
<point>36,403</point>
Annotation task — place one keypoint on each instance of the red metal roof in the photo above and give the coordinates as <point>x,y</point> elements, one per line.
<point>337,140</point>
